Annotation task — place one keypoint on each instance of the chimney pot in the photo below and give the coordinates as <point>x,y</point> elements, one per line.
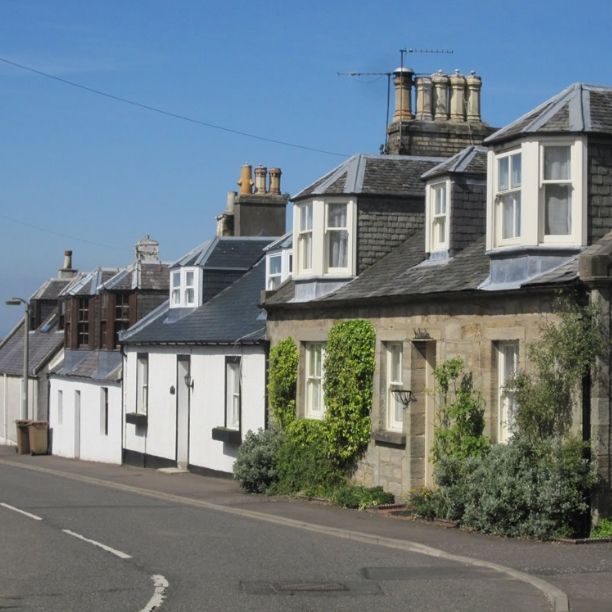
<point>245,182</point>
<point>260,180</point>
<point>457,97</point>
<point>67,260</point>
<point>275,180</point>
<point>423,100</point>
<point>230,202</point>
<point>147,250</point>
<point>474,85</point>
<point>440,101</point>
<point>403,83</point>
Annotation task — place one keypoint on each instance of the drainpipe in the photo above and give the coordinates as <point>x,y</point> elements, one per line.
<point>5,399</point>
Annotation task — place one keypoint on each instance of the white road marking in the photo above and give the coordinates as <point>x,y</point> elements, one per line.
<point>32,516</point>
<point>113,551</point>
<point>161,584</point>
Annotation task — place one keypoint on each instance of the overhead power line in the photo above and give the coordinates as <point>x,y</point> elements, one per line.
<point>167,113</point>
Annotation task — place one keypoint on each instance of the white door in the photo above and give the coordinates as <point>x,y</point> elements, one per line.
<point>182,410</point>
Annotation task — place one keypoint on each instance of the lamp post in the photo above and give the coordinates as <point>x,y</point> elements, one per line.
<point>26,327</point>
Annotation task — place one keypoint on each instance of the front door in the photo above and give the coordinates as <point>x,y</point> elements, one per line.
<point>182,410</point>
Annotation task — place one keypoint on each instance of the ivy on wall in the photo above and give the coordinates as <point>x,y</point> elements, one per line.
<point>348,382</point>
<point>282,382</point>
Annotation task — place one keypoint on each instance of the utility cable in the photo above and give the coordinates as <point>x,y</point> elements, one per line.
<point>161,111</point>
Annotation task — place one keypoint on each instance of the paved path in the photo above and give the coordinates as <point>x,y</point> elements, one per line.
<point>583,572</point>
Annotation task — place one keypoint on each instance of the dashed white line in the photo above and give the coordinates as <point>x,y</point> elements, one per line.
<point>113,551</point>
<point>28,514</point>
<point>161,584</point>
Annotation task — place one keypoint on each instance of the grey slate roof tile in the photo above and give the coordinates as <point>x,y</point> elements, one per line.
<point>232,316</point>
<point>93,365</point>
<point>374,175</point>
<point>226,252</point>
<point>471,160</point>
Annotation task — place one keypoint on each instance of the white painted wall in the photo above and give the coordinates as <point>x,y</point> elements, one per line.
<point>94,444</point>
<point>207,402</point>
<point>10,405</point>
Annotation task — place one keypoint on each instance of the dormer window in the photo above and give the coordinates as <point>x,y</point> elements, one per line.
<point>185,287</point>
<point>278,268</point>
<point>537,194</point>
<point>508,197</point>
<point>438,213</point>
<point>324,233</point>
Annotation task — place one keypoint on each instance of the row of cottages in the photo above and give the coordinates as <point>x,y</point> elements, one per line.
<point>85,401</point>
<point>194,370</point>
<point>454,247</point>
<point>45,351</point>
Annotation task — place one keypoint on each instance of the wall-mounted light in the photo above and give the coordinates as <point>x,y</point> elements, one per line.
<point>403,396</point>
<point>189,381</point>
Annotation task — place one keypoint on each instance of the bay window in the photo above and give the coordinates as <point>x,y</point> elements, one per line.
<point>314,354</point>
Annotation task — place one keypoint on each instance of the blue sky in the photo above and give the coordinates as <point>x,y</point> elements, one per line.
<point>83,172</point>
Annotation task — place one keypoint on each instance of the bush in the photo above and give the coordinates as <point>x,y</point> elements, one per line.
<point>603,529</point>
<point>427,503</point>
<point>356,496</point>
<point>282,382</point>
<point>255,467</point>
<point>303,460</point>
<point>525,488</point>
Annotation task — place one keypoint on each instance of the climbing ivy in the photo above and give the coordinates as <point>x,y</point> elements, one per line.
<point>348,380</point>
<point>282,381</point>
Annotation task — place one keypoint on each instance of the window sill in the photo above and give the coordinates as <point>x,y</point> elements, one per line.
<point>136,418</point>
<point>389,438</point>
<point>224,434</point>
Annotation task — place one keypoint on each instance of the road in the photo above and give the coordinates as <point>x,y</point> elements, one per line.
<point>72,546</point>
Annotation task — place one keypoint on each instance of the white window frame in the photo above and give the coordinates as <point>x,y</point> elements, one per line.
<point>329,231</point>
<point>142,383</point>
<point>233,392</point>
<point>392,381</point>
<point>275,280</point>
<point>435,218</point>
<point>506,402</point>
<point>304,234</point>
<point>313,380</point>
<point>180,287</point>
<point>318,266</point>
<point>511,190</point>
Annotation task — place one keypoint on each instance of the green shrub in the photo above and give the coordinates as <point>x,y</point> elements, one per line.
<point>282,382</point>
<point>561,358</point>
<point>427,503</point>
<point>356,496</point>
<point>348,379</point>
<point>603,529</point>
<point>524,488</point>
<point>255,467</point>
<point>303,460</point>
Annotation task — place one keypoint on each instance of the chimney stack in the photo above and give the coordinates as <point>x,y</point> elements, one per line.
<point>245,182</point>
<point>403,84</point>
<point>275,180</point>
<point>260,180</point>
<point>147,250</point>
<point>67,271</point>
<point>457,97</point>
<point>67,260</point>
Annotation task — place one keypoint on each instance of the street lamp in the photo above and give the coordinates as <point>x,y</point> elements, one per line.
<point>26,327</point>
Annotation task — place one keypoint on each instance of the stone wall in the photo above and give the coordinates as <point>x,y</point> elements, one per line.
<point>431,333</point>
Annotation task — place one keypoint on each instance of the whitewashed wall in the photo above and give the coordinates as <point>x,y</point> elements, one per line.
<point>207,402</point>
<point>93,444</point>
<point>10,405</point>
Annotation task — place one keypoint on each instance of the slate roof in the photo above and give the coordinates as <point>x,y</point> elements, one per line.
<point>580,108</point>
<point>373,175</point>
<point>471,160</point>
<point>51,289</point>
<point>284,242</point>
<point>94,365</point>
<point>225,252</point>
<point>232,316</point>
<point>88,283</point>
<point>43,345</point>
<point>139,275</point>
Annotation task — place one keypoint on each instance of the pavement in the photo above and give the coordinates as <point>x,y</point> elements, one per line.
<point>575,577</point>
